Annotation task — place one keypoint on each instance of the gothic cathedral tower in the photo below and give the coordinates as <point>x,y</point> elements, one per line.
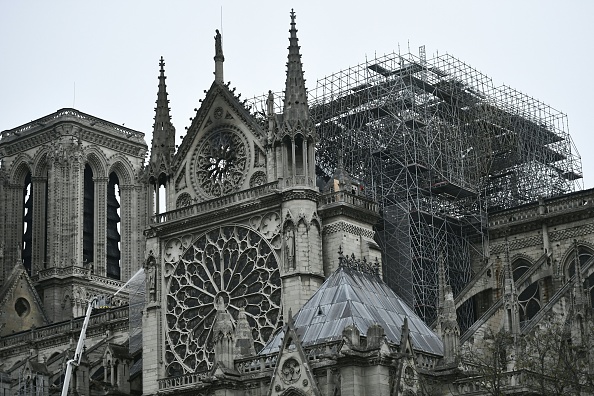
<point>69,187</point>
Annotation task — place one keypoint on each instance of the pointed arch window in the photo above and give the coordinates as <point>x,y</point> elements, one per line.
<point>529,300</point>
<point>299,156</point>
<point>113,227</point>
<point>26,252</point>
<point>88,216</point>
<point>584,255</point>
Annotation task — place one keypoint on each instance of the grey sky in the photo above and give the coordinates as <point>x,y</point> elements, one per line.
<point>110,50</point>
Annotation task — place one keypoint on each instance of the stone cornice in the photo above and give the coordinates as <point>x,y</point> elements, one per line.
<point>74,116</point>
<point>552,212</point>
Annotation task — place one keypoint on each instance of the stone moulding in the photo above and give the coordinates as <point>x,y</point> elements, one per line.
<point>71,115</point>
<point>217,203</point>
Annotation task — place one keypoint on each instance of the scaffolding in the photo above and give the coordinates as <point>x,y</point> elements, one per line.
<point>439,146</point>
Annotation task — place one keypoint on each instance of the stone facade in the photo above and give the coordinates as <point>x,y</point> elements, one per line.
<point>239,246</point>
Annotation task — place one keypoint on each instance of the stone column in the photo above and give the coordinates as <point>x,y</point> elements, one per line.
<point>39,192</point>
<point>100,225</point>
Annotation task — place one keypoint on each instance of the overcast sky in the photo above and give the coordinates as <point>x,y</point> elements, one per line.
<point>110,51</point>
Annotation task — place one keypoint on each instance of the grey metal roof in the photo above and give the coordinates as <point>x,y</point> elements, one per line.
<point>350,296</point>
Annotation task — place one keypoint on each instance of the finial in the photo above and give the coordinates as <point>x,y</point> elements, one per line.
<point>162,65</point>
<point>270,104</point>
<point>295,103</point>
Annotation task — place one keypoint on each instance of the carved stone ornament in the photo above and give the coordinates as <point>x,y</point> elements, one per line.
<point>291,371</point>
<point>235,265</point>
<point>218,113</point>
<point>221,163</point>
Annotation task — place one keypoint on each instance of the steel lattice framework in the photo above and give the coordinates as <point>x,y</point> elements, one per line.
<point>439,146</point>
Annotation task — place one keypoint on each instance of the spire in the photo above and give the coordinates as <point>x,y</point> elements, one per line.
<point>219,58</point>
<point>295,106</point>
<point>163,145</point>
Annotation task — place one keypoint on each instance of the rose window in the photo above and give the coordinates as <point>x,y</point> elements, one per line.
<point>232,263</point>
<point>221,163</point>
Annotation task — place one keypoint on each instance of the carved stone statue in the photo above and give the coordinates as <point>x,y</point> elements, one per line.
<point>150,271</point>
<point>290,248</point>
<point>218,44</point>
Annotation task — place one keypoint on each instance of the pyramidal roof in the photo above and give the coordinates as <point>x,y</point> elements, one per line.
<point>357,295</point>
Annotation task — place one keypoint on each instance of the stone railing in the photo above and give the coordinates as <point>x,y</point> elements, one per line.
<point>513,381</point>
<point>75,115</point>
<point>217,203</point>
<point>256,365</point>
<point>61,272</point>
<point>349,198</point>
<point>112,283</point>
<point>551,206</point>
<point>60,329</point>
<point>298,181</point>
<point>322,351</point>
<point>181,382</point>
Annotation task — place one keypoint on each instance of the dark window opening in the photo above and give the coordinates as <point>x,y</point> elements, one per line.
<point>22,307</point>
<point>113,227</point>
<point>27,223</point>
<point>88,217</point>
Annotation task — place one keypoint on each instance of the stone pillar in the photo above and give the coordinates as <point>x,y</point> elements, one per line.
<point>101,225</point>
<point>127,228</point>
<point>304,275</point>
<point>39,191</point>
<point>152,343</point>
<point>293,161</point>
<point>352,381</point>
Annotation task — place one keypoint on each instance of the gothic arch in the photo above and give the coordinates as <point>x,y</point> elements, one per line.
<point>123,169</point>
<point>293,392</point>
<point>315,221</point>
<point>302,220</point>
<point>520,264</point>
<point>40,164</point>
<point>288,222</point>
<point>97,161</point>
<point>22,166</point>
<point>522,256</point>
<point>585,249</point>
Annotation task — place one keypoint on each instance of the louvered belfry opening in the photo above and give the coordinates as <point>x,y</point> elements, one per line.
<point>88,216</point>
<point>113,226</point>
<point>27,223</point>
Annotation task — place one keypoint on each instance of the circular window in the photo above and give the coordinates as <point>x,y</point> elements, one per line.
<point>222,161</point>
<point>22,307</point>
<point>232,265</point>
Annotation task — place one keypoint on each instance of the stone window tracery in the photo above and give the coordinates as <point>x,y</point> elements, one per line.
<point>529,299</point>
<point>584,255</point>
<point>222,161</point>
<point>234,263</point>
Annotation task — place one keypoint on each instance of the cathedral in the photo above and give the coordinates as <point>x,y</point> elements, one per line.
<point>231,265</point>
